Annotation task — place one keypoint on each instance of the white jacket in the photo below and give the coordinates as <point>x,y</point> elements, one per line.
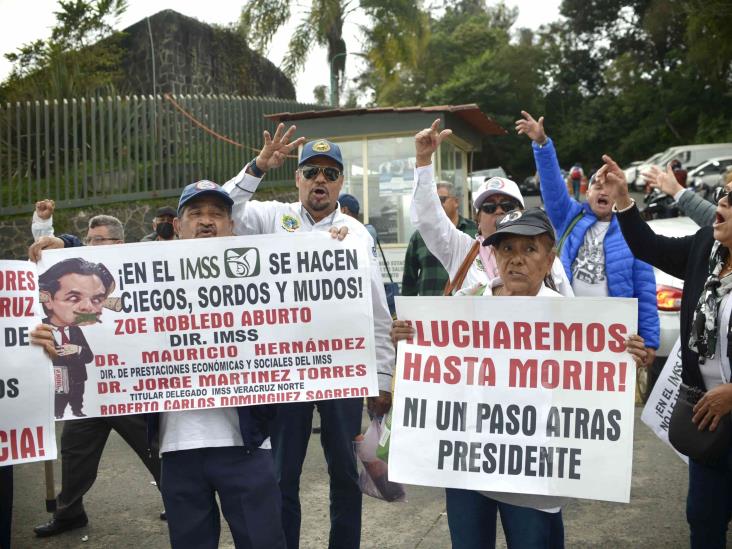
<point>255,217</point>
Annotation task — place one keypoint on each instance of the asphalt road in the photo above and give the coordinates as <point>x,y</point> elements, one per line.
<point>123,507</point>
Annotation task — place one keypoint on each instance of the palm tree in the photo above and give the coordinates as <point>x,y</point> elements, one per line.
<point>322,24</point>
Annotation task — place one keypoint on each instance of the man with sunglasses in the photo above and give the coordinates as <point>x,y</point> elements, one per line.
<point>423,272</point>
<point>494,199</point>
<point>319,180</point>
<point>593,251</point>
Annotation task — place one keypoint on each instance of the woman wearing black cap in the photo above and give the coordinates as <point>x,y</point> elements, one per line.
<point>524,247</point>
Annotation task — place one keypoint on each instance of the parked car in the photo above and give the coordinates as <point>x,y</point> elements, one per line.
<point>669,291</point>
<point>690,157</point>
<point>709,175</point>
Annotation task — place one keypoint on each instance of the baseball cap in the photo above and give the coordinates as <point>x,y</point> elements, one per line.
<point>350,202</point>
<point>529,222</point>
<point>201,188</point>
<point>165,210</point>
<point>321,147</point>
<point>497,185</point>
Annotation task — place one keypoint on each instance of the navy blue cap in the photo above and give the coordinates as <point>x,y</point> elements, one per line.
<point>202,188</point>
<point>350,202</point>
<point>321,147</point>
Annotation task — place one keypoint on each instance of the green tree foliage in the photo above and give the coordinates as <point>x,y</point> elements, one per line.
<point>629,77</point>
<point>81,56</point>
<point>322,24</point>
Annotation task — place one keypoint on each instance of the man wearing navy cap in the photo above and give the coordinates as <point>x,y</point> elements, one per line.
<point>220,451</point>
<point>319,180</point>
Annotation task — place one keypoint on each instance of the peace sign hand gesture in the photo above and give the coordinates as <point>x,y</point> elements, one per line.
<point>275,149</point>
<point>427,141</point>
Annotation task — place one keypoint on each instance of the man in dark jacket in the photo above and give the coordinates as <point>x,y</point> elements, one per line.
<point>162,225</point>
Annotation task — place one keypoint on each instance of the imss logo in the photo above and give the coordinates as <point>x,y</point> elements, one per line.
<point>241,262</point>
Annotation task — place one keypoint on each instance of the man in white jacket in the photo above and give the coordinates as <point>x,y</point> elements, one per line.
<point>495,197</point>
<point>319,180</point>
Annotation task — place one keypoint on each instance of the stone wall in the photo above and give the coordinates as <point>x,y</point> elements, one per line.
<point>192,57</point>
<point>15,232</point>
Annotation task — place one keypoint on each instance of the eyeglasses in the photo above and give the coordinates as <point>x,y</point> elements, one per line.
<point>491,207</point>
<point>97,240</point>
<point>720,193</point>
<point>311,172</point>
<point>444,199</point>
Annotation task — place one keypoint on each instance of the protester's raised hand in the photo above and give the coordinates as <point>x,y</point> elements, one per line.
<point>427,141</point>
<point>613,180</point>
<point>43,243</point>
<point>277,147</point>
<point>42,335</point>
<point>665,181</point>
<point>715,404</point>
<point>45,208</point>
<point>533,129</point>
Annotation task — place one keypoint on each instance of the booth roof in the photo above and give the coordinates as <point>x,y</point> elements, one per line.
<point>471,114</point>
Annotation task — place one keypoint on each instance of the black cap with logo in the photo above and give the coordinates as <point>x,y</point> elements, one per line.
<point>529,222</point>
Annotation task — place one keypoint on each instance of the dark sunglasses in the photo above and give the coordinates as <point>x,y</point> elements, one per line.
<point>311,172</point>
<point>720,193</point>
<point>444,199</point>
<point>491,207</point>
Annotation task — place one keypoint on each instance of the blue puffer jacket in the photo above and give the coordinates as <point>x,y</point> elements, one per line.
<point>626,276</point>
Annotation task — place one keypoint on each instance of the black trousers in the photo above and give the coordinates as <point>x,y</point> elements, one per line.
<point>6,505</point>
<point>82,444</point>
<point>247,489</point>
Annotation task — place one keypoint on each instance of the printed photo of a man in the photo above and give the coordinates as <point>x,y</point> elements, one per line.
<point>73,293</point>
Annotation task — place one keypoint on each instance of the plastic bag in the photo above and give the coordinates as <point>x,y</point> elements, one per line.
<point>373,479</point>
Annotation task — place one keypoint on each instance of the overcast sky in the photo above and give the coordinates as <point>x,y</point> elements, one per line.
<point>23,21</point>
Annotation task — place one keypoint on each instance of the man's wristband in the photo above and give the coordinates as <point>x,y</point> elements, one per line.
<point>256,172</point>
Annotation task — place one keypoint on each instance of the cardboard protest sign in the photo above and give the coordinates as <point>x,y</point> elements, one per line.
<point>512,394</point>
<point>660,404</point>
<point>26,385</point>
<point>207,323</point>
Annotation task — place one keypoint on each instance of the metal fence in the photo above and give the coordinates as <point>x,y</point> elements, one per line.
<point>107,149</point>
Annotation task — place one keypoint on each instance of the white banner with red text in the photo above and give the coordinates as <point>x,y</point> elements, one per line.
<point>207,323</point>
<point>531,395</point>
<point>26,383</point>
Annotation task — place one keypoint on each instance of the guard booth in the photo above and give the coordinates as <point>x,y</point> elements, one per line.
<point>379,160</point>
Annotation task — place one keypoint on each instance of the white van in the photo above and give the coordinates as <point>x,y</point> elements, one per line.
<point>690,156</point>
<point>693,155</point>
